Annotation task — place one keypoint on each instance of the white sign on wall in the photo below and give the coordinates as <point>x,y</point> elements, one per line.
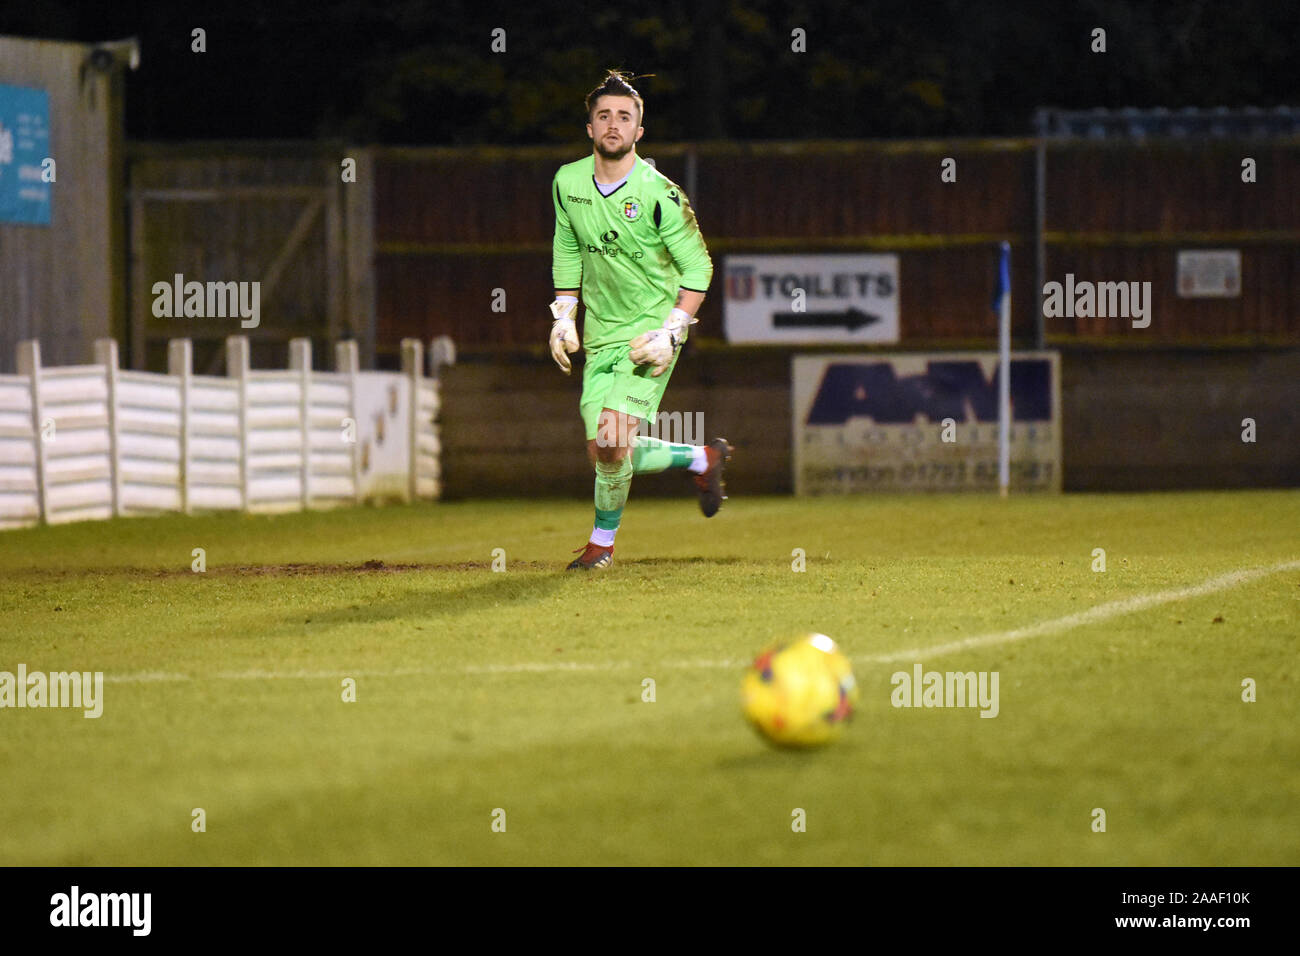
<point>1209,274</point>
<point>922,422</point>
<point>811,298</point>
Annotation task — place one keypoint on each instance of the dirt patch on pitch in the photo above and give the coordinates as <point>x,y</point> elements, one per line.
<point>369,567</point>
<point>373,566</point>
<point>313,570</point>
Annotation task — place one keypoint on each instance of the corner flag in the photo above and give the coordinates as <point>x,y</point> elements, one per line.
<point>1002,284</point>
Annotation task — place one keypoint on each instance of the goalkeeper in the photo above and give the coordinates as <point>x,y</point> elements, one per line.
<point>627,241</point>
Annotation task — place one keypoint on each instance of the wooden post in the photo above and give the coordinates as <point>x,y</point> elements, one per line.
<point>345,361</point>
<point>413,369</point>
<point>29,364</point>
<point>237,367</point>
<point>359,255</point>
<point>336,263</point>
<point>138,305</point>
<point>300,362</point>
<point>180,363</point>
<point>1041,121</point>
<point>106,355</point>
<point>442,351</point>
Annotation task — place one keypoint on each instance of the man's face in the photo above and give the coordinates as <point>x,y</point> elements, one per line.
<point>613,127</point>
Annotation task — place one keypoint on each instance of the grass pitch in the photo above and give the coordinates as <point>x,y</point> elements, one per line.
<point>480,691</point>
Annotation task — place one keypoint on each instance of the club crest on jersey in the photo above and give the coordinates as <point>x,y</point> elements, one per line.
<point>631,208</point>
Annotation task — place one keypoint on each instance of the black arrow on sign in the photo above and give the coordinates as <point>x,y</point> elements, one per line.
<point>852,319</point>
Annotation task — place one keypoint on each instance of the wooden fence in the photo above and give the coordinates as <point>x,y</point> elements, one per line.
<point>95,441</point>
<point>452,226</point>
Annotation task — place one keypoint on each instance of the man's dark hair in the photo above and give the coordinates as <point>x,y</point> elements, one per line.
<point>616,83</point>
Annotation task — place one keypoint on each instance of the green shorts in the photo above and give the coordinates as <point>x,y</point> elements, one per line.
<point>612,380</point>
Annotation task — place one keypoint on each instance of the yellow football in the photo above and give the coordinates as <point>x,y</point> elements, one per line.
<point>800,693</point>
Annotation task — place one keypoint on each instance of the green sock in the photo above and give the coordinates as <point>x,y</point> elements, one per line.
<point>613,482</point>
<point>652,455</point>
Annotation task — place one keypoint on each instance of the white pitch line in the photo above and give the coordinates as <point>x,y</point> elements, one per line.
<point>1102,612</point>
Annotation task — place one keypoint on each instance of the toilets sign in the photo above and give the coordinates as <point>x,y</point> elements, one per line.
<point>811,298</point>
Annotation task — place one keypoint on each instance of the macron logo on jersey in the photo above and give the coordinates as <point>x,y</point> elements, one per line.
<point>585,202</point>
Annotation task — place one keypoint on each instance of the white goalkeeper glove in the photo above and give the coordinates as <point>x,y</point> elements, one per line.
<point>658,346</point>
<point>564,333</point>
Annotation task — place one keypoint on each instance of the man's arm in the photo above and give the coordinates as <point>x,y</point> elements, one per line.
<point>689,301</point>
<point>680,231</point>
<point>566,272</point>
<point>566,259</point>
<point>658,346</point>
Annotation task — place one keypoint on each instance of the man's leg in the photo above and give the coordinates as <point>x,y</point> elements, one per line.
<point>706,462</point>
<point>613,460</point>
<point>610,452</point>
<point>653,455</point>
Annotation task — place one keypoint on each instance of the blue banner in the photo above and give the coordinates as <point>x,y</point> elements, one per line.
<point>24,145</point>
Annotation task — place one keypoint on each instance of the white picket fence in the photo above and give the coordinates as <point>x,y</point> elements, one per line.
<point>93,441</point>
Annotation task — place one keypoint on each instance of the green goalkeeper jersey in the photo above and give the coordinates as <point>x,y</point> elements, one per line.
<point>629,252</point>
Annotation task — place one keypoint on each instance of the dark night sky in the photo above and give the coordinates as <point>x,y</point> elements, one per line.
<point>421,72</point>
